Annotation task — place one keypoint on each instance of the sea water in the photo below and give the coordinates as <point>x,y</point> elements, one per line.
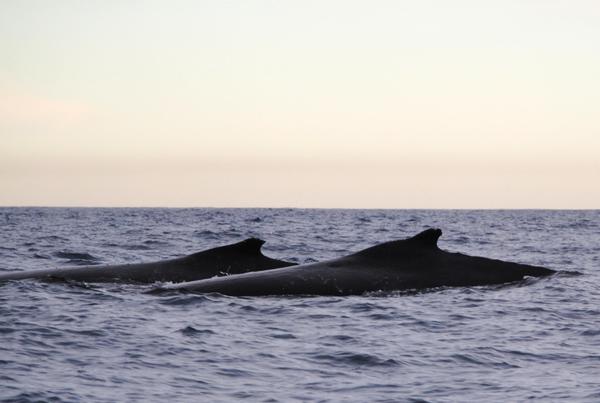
<point>68,342</point>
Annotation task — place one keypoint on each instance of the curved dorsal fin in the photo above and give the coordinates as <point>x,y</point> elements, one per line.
<point>250,245</point>
<point>423,240</point>
<point>429,237</point>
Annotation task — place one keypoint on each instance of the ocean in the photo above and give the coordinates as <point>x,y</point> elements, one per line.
<point>70,342</point>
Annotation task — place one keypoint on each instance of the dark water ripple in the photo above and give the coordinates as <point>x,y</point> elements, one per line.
<point>66,342</point>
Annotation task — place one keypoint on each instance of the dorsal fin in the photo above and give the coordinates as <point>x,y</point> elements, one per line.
<point>429,237</point>
<point>423,240</point>
<point>250,245</point>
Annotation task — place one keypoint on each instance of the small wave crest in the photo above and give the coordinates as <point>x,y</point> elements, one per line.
<point>75,255</point>
<point>26,397</point>
<point>183,299</point>
<point>353,359</point>
<point>207,234</point>
<point>135,247</point>
<point>77,258</point>
<point>193,332</point>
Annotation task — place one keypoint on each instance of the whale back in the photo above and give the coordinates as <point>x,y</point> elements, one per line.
<point>236,258</point>
<point>245,248</point>
<point>408,264</point>
<point>423,242</point>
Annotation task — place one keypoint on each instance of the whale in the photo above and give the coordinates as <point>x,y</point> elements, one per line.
<point>409,264</point>
<point>240,257</point>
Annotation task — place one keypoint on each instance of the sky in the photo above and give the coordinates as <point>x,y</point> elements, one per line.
<point>329,103</point>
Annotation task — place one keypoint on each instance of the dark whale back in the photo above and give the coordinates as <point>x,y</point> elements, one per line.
<point>412,263</point>
<point>250,247</point>
<point>421,252</point>
<point>236,258</point>
<point>240,257</point>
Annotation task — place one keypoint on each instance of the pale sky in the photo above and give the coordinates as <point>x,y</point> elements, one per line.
<point>364,104</point>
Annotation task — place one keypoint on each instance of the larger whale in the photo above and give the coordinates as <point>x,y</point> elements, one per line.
<point>413,263</point>
<point>240,257</point>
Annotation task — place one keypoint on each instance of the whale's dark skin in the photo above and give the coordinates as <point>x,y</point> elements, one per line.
<point>236,258</point>
<point>413,263</point>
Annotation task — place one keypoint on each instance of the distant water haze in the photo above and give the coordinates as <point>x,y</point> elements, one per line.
<point>389,104</point>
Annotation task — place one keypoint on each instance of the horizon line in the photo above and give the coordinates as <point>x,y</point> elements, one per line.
<point>306,208</point>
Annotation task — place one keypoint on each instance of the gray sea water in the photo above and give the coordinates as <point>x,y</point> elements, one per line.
<point>69,342</point>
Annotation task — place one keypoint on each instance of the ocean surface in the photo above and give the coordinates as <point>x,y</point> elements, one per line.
<point>70,342</point>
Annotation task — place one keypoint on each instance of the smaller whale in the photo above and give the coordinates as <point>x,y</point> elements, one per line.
<point>236,258</point>
<point>410,264</point>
